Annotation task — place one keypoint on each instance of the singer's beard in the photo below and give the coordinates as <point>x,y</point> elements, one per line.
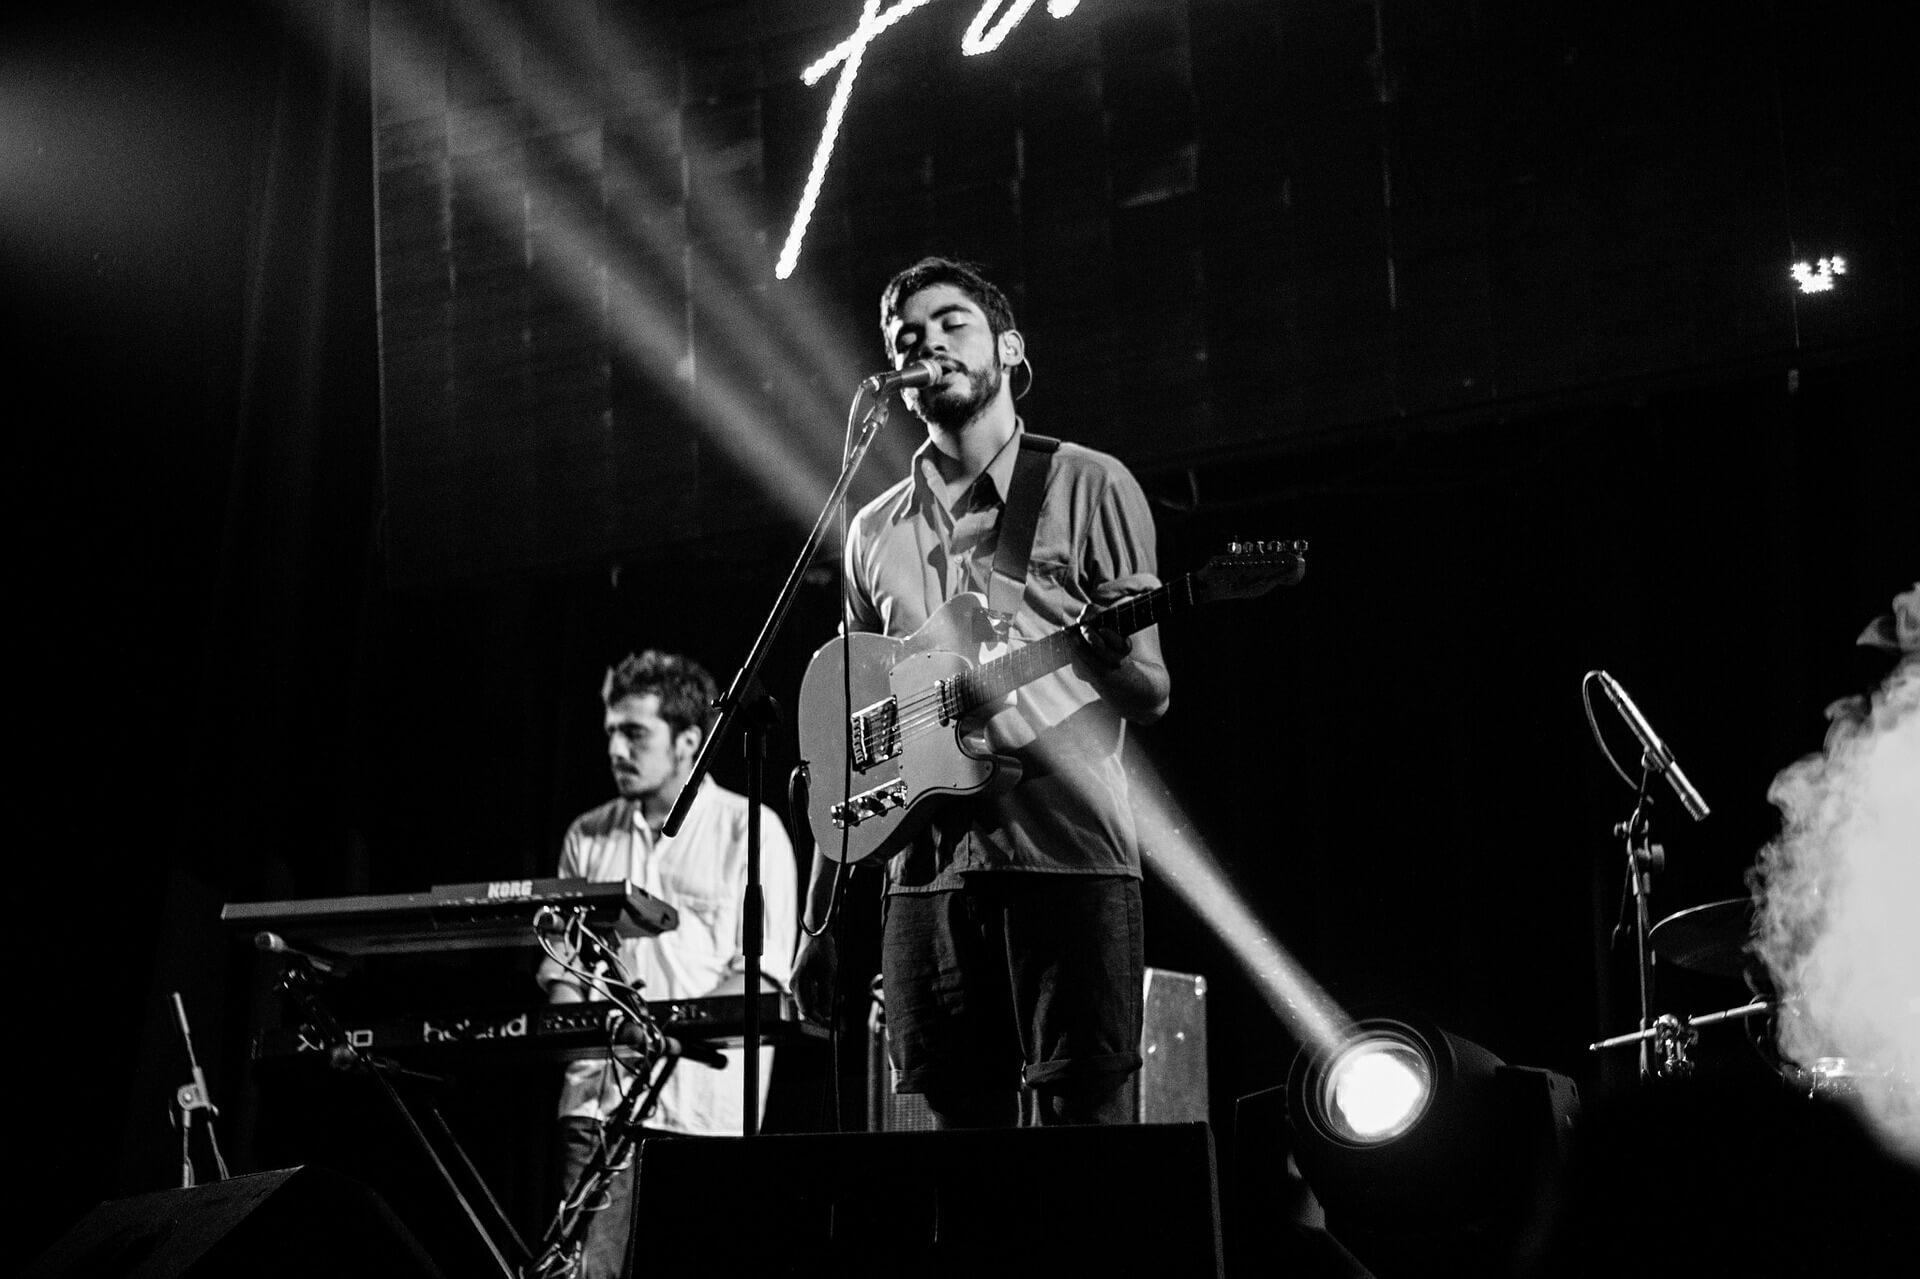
<point>953,409</point>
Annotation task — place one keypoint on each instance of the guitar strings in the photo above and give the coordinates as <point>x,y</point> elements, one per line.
<point>921,712</point>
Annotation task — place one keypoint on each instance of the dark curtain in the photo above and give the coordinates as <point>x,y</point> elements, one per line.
<point>190,311</point>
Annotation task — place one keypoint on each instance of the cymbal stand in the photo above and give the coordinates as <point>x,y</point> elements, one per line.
<point>1672,1038</point>
<point>1644,857</point>
<point>1675,1036</point>
<point>562,1245</point>
<point>299,983</point>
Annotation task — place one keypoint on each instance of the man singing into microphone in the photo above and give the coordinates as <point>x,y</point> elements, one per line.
<point>658,708</point>
<point>1012,949</point>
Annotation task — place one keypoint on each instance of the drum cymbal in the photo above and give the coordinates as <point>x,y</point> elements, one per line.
<point>1708,939</point>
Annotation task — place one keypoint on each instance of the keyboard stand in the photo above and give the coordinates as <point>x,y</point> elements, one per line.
<point>300,984</point>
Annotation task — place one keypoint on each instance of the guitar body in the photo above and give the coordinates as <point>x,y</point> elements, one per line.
<point>879,717</point>
<point>926,768</point>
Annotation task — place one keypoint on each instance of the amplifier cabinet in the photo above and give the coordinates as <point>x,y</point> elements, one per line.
<point>1171,1087</point>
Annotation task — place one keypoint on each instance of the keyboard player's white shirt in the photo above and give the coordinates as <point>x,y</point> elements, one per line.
<point>702,873</point>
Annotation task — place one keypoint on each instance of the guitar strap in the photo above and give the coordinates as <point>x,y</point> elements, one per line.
<point>1019,517</point>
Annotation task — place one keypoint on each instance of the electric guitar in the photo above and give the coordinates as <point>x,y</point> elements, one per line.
<point>878,774</point>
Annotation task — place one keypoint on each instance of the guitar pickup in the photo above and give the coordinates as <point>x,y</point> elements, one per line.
<point>873,734</point>
<point>877,802</point>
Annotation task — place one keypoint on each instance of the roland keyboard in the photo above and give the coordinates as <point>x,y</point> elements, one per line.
<point>545,1032</point>
<point>450,916</point>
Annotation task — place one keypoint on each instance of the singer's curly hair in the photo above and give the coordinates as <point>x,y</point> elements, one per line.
<point>964,276</point>
<point>685,690</point>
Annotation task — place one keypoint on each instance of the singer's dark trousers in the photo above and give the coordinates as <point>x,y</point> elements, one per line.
<point>1013,978</point>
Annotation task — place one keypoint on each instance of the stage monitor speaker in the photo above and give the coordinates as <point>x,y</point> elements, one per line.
<point>295,1223</point>
<point>1015,1203</point>
<point>1171,1087</point>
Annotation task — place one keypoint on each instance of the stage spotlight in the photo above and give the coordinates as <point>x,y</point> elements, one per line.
<point>1374,1090</point>
<point>1427,1153</point>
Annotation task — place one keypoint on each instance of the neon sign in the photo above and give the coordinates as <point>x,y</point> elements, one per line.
<point>846,55</point>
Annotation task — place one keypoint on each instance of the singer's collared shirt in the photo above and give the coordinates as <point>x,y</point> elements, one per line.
<point>702,873</point>
<point>908,553</point>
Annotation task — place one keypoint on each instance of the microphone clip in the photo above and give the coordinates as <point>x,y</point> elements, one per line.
<point>295,959</point>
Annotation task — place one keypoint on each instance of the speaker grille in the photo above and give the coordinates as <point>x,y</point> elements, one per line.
<point>887,1110</point>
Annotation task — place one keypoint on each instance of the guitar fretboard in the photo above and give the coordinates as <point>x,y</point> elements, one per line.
<point>995,679</point>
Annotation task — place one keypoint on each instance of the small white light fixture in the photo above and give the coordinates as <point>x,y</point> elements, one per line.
<point>1819,277</point>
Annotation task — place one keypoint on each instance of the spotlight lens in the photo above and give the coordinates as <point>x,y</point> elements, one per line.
<point>1376,1090</point>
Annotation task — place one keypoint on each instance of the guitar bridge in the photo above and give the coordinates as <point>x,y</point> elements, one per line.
<point>873,734</point>
<point>877,802</point>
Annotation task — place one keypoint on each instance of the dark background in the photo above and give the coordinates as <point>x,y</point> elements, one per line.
<point>1490,305</point>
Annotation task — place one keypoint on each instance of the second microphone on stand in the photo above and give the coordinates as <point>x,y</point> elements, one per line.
<point>1658,757</point>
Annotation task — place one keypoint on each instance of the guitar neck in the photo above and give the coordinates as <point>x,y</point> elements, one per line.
<point>992,680</point>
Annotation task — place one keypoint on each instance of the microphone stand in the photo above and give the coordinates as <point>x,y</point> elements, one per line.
<point>1643,858</point>
<point>192,1096</point>
<point>746,697</point>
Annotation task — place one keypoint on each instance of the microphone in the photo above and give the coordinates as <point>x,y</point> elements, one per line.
<point>649,1038</point>
<point>1658,757</point>
<point>275,944</point>
<point>919,373</point>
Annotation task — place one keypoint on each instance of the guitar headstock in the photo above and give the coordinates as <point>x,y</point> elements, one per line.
<point>1249,569</point>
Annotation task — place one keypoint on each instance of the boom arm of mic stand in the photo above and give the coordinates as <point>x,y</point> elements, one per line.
<point>732,701</point>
